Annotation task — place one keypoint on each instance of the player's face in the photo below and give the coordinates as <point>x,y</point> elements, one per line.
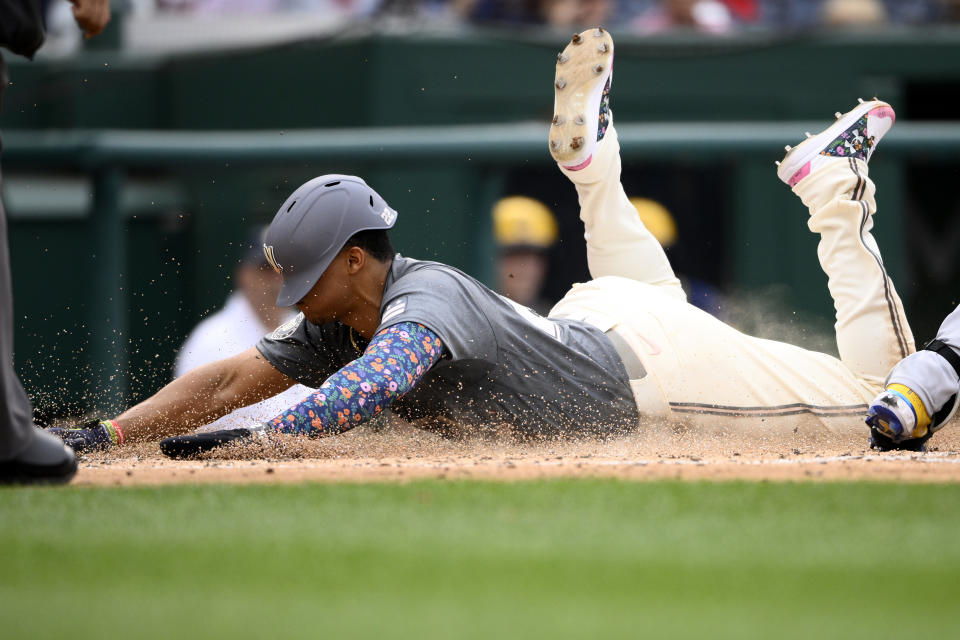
<point>331,297</point>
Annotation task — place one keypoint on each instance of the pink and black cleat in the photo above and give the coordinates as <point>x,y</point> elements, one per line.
<point>855,134</point>
<point>581,105</point>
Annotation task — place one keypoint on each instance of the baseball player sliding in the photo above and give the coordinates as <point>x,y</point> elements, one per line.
<point>379,330</point>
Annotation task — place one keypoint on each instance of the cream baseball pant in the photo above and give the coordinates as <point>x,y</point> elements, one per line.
<point>704,374</point>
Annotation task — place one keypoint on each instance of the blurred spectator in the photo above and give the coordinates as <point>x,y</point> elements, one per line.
<point>804,14</point>
<point>659,221</point>
<point>916,11</point>
<point>517,12</point>
<point>710,16</point>
<point>853,13</point>
<point>745,11</point>
<point>574,14</point>
<point>249,313</point>
<point>790,15</point>
<point>524,230</point>
<point>952,10</point>
<point>346,8</point>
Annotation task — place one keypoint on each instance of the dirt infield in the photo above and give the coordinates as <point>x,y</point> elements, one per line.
<point>399,455</point>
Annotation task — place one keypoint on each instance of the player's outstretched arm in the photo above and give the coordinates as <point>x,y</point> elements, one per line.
<point>203,395</point>
<point>394,361</point>
<point>197,398</point>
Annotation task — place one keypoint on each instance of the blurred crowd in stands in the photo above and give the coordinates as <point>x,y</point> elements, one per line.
<point>637,16</point>
<point>189,25</point>
<point>711,16</point>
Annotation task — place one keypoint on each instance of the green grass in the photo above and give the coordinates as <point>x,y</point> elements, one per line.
<point>558,559</point>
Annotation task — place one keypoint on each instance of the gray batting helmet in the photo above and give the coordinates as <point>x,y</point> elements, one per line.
<point>313,225</point>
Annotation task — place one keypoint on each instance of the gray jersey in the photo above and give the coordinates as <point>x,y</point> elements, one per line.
<point>502,364</point>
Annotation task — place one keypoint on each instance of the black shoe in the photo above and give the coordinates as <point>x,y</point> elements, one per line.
<point>193,445</point>
<point>881,442</point>
<point>45,460</point>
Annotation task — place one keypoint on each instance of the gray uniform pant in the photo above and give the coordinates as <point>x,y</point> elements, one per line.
<point>16,414</point>
<point>928,374</point>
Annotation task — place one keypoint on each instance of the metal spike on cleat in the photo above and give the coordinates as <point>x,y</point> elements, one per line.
<point>576,143</point>
<point>598,69</point>
<point>557,120</point>
<point>554,144</point>
<point>578,120</point>
<point>576,39</point>
<point>837,115</point>
<point>787,148</point>
<point>860,100</point>
<point>808,134</point>
<point>602,48</point>
<point>560,83</point>
<point>776,162</point>
<point>598,32</point>
<point>562,57</point>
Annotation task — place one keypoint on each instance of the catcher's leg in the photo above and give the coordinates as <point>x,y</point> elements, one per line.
<point>930,372</point>
<point>584,144</point>
<point>829,173</point>
<point>921,393</point>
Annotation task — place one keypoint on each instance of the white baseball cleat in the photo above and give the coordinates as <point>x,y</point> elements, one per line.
<point>581,105</point>
<point>855,134</point>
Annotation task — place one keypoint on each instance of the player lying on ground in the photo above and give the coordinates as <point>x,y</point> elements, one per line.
<point>921,394</point>
<point>379,330</point>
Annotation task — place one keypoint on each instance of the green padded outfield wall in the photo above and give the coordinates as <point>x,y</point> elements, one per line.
<point>183,242</point>
<point>485,77</point>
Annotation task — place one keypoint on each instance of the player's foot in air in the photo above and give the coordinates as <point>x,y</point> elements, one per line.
<point>581,111</point>
<point>855,134</point>
<point>193,445</point>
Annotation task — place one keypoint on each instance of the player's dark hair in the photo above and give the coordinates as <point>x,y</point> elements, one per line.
<point>376,242</point>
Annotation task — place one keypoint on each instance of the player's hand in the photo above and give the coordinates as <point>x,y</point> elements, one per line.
<point>92,16</point>
<point>96,435</point>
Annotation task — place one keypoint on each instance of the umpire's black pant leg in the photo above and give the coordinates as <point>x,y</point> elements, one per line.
<point>16,414</point>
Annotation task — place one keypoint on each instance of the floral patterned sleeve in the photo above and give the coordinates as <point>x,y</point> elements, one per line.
<point>392,364</point>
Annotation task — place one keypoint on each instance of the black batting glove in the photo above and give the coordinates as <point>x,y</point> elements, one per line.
<point>96,435</point>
